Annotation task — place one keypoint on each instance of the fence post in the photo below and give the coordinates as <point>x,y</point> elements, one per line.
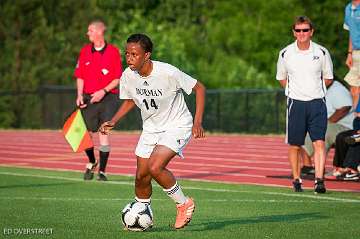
<point>218,111</point>
<point>247,111</point>
<point>42,92</point>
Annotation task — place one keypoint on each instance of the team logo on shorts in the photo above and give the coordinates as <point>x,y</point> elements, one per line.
<point>315,58</point>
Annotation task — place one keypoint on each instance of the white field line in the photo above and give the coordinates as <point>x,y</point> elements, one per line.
<point>155,199</point>
<point>297,195</point>
<point>27,166</point>
<point>129,156</point>
<point>192,164</point>
<point>133,167</point>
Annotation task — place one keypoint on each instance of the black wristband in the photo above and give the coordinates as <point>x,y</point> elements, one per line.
<point>105,91</point>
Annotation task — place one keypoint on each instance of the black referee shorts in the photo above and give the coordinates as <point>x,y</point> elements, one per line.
<point>303,117</point>
<point>97,113</point>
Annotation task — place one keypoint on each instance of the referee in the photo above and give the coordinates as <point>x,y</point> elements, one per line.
<point>304,68</point>
<point>97,74</point>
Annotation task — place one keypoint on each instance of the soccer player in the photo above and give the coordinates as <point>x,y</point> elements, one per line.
<point>304,68</point>
<point>97,74</point>
<point>156,88</point>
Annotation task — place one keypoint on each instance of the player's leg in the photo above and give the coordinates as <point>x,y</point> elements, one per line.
<point>104,152</point>
<point>170,143</point>
<point>294,151</point>
<point>144,148</point>
<point>355,91</point>
<point>317,125</point>
<point>306,152</point>
<point>143,188</point>
<point>89,114</point>
<point>295,137</point>
<point>158,161</point>
<point>319,158</point>
<point>341,148</point>
<point>106,109</point>
<point>353,78</point>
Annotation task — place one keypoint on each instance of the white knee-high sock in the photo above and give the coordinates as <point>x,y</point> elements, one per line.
<point>143,200</point>
<point>176,194</point>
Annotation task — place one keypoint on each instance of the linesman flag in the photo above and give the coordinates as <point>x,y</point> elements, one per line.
<point>76,133</point>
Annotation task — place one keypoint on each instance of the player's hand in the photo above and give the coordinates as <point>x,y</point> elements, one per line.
<point>198,131</point>
<point>80,101</point>
<point>106,127</point>
<point>349,60</point>
<point>97,96</point>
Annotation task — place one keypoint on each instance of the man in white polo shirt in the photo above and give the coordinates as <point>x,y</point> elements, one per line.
<point>304,68</point>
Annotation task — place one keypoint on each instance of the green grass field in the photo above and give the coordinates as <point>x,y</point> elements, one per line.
<point>72,208</point>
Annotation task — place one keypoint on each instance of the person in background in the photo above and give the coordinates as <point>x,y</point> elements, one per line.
<point>347,152</point>
<point>340,118</point>
<point>352,24</point>
<point>304,68</point>
<point>97,74</point>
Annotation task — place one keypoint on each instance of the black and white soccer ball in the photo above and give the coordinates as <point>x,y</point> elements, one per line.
<point>137,216</point>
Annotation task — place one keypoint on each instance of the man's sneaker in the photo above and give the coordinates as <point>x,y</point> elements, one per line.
<point>184,213</point>
<point>351,176</point>
<point>353,139</point>
<point>319,186</point>
<point>336,174</point>
<point>307,170</point>
<point>89,172</point>
<point>101,176</point>
<point>297,185</point>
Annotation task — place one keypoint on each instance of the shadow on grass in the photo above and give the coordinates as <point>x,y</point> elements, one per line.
<point>290,218</point>
<point>220,224</point>
<point>36,185</point>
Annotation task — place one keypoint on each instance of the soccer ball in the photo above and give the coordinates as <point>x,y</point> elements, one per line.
<point>137,216</point>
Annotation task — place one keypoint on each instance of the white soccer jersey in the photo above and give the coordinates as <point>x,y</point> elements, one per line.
<point>304,71</point>
<point>159,96</point>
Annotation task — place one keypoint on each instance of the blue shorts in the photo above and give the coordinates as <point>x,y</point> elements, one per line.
<point>303,117</point>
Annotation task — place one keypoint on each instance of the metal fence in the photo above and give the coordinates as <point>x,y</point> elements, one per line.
<point>238,111</point>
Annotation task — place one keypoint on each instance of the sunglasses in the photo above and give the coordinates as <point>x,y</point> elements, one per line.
<point>302,30</point>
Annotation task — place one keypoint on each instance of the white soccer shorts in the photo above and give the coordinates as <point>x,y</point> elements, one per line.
<point>174,139</point>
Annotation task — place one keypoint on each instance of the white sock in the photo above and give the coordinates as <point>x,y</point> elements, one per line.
<point>176,194</point>
<point>143,200</point>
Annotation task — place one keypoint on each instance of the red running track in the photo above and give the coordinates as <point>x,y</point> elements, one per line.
<point>260,160</point>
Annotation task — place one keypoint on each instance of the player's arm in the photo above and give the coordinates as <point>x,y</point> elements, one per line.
<point>349,59</point>
<point>79,76</point>
<point>125,108</point>
<point>98,95</point>
<point>281,71</point>
<point>80,89</point>
<point>197,130</point>
<point>328,81</point>
<point>283,83</point>
<point>339,114</point>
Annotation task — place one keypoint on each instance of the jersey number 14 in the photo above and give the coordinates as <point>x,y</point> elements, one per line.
<point>152,104</point>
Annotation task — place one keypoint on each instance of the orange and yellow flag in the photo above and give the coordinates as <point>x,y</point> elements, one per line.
<point>76,133</point>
